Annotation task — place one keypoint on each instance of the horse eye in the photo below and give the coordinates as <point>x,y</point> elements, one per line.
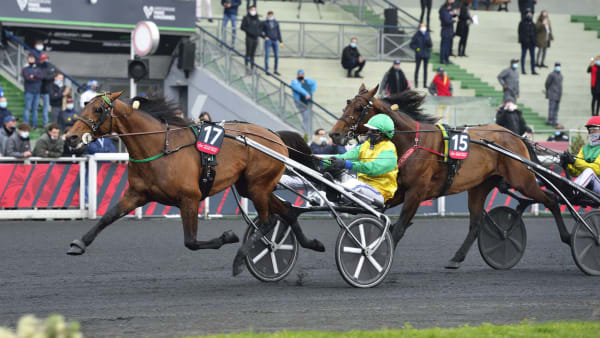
<point>98,110</point>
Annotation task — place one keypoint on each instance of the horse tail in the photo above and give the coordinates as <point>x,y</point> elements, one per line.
<point>298,149</point>
<point>410,102</point>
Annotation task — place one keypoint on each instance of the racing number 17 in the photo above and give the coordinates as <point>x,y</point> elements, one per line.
<point>208,130</point>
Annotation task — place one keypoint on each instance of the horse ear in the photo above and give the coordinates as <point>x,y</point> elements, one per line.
<point>114,96</point>
<point>373,91</point>
<point>362,88</point>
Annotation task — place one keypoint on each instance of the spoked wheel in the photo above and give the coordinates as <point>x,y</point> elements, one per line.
<point>273,257</point>
<point>502,238</point>
<point>584,246</point>
<point>364,268</point>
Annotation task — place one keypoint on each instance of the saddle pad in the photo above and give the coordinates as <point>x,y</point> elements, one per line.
<point>210,138</point>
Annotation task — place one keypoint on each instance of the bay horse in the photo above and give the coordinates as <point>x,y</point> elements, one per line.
<point>152,129</point>
<point>422,176</point>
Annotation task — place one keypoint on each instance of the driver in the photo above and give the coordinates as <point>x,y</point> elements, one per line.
<point>586,166</point>
<point>375,161</point>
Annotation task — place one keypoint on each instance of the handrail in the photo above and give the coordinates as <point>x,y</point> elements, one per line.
<point>224,44</point>
<point>37,54</point>
<point>365,25</point>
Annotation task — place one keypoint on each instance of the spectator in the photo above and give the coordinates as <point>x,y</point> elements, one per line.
<point>425,4</point>
<point>230,14</point>
<point>441,85</point>
<point>303,91</point>
<point>17,144</point>
<point>208,9</point>
<point>32,77</point>
<point>89,93</point>
<point>67,117</point>
<point>462,27</point>
<point>509,80</point>
<point>48,71</point>
<point>544,35</point>
<point>393,81</point>
<point>58,91</point>
<point>4,108</point>
<point>351,59</point>
<point>487,4</point>
<point>527,39</point>
<point>272,35</point>
<point>447,23</point>
<point>8,128</point>
<point>253,28</point>
<point>205,116</point>
<point>68,151</point>
<point>421,44</point>
<point>525,5</point>
<point>510,117</point>
<point>50,144</point>
<point>322,145</point>
<point>554,87</point>
<point>39,46</point>
<point>594,70</point>
<point>100,145</point>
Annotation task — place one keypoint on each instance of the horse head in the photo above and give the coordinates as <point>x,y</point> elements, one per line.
<point>95,120</point>
<point>356,113</point>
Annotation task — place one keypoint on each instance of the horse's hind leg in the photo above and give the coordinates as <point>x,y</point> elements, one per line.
<point>131,200</point>
<point>287,212</point>
<point>476,200</point>
<point>189,217</point>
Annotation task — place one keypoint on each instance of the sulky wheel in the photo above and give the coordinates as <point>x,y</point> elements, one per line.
<point>502,238</point>
<point>273,257</point>
<point>584,246</point>
<point>364,268</point>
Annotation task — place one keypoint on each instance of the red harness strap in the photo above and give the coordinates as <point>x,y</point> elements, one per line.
<point>416,146</point>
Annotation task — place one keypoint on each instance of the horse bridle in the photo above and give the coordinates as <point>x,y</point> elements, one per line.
<point>352,127</point>
<point>107,112</point>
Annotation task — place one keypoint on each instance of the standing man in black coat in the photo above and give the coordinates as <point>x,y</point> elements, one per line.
<point>462,28</point>
<point>447,15</point>
<point>526,4</point>
<point>527,39</point>
<point>421,44</point>
<point>253,28</point>
<point>426,5</point>
<point>351,58</point>
<point>394,81</point>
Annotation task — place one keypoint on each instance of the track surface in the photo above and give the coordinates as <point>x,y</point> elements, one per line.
<point>139,280</point>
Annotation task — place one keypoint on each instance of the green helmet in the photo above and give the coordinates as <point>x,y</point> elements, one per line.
<point>383,123</point>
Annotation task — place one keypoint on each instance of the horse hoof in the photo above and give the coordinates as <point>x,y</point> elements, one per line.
<point>452,265</point>
<point>318,246</point>
<point>238,264</point>
<point>229,237</point>
<point>77,248</point>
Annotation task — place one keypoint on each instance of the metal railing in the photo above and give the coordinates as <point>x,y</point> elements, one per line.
<point>262,87</point>
<point>14,57</point>
<point>328,40</point>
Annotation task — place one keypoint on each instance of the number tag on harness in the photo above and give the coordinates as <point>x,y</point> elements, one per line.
<point>458,147</point>
<point>210,139</point>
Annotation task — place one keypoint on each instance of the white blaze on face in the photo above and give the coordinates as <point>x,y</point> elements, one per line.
<point>86,138</point>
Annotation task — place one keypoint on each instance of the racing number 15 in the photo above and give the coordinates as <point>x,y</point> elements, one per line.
<point>460,142</point>
<point>208,130</point>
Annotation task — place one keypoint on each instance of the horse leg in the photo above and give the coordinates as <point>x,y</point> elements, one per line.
<point>409,209</point>
<point>130,200</point>
<point>189,217</point>
<point>476,200</point>
<point>290,216</point>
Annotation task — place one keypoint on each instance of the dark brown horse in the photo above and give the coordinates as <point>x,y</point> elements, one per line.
<point>422,176</point>
<point>174,179</point>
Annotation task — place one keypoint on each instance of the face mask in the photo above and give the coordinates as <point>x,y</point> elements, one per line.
<point>39,48</point>
<point>353,44</point>
<point>24,134</point>
<point>270,18</point>
<point>323,139</point>
<point>595,139</point>
<point>253,13</point>
<point>423,29</point>
<point>557,68</point>
<point>11,128</point>
<point>372,139</point>
<point>515,66</point>
<point>300,78</point>
<point>3,104</point>
<point>70,106</point>
<point>58,83</point>
<point>597,62</point>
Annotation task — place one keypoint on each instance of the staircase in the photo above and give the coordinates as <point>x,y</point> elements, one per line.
<point>590,23</point>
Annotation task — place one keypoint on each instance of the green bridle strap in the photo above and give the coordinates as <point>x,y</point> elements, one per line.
<point>147,159</point>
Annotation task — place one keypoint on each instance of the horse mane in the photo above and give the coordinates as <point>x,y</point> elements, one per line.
<point>410,102</point>
<point>161,109</point>
<point>299,150</point>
